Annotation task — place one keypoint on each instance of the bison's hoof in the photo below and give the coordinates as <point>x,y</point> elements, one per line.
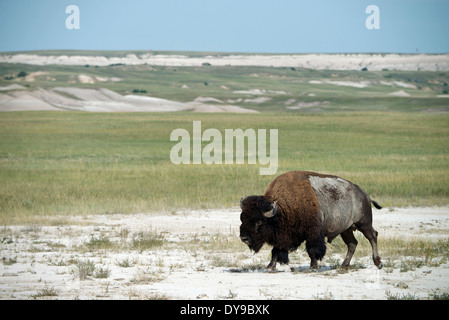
<point>271,268</point>
<point>377,262</point>
<point>314,269</point>
<point>314,266</point>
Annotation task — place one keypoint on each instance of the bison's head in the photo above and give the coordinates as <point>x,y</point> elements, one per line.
<point>257,218</point>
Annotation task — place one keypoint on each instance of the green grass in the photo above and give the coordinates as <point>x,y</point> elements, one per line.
<point>82,163</point>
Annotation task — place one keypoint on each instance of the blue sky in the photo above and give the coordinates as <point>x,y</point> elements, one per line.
<point>281,26</point>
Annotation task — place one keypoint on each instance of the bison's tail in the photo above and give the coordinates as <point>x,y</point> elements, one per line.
<point>375,204</point>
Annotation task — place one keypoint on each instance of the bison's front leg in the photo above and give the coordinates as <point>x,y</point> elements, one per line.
<point>316,248</point>
<point>277,255</point>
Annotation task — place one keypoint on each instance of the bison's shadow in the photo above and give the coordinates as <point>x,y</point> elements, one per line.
<point>261,269</point>
<point>306,269</point>
<point>296,269</point>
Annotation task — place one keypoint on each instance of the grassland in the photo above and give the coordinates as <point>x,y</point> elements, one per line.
<point>79,163</point>
<point>396,148</point>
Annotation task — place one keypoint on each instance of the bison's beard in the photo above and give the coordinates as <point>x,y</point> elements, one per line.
<point>256,246</point>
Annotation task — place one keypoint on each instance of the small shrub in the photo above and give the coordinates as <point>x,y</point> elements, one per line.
<point>398,296</point>
<point>139,91</point>
<point>439,296</point>
<point>102,273</point>
<point>99,243</point>
<point>46,292</point>
<point>85,268</point>
<point>9,261</point>
<point>125,263</point>
<point>148,240</point>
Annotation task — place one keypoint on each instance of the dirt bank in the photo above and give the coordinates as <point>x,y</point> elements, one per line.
<point>99,100</point>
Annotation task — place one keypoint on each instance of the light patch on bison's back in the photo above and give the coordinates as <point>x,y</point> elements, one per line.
<point>339,203</point>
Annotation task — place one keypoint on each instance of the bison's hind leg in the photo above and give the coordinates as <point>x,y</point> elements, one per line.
<point>351,242</point>
<point>371,235</point>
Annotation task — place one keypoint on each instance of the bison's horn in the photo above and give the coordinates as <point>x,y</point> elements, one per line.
<point>272,212</point>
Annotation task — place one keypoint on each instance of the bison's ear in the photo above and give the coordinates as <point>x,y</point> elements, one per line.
<point>268,208</point>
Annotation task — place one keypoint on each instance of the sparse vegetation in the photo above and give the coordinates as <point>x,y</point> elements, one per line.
<point>85,268</point>
<point>439,296</point>
<point>46,292</point>
<point>125,263</point>
<point>9,261</point>
<point>147,275</point>
<point>146,258</point>
<point>101,242</point>
<point>101,272</point>
<point>146,241</point>
<point>401,296</point>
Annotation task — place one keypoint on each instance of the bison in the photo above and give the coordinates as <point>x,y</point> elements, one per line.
<point>306,206</point>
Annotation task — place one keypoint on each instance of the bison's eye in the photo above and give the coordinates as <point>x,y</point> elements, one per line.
<point>258,224</point>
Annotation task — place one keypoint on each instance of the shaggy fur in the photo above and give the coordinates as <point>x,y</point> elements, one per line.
<point>297,219</point>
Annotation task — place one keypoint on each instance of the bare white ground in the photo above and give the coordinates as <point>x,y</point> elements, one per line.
<point>201,257</point>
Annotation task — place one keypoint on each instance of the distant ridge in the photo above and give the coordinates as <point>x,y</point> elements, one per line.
<point>335,61</point>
